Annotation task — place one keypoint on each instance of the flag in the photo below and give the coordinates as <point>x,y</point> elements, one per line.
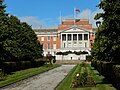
<point>77,10</point>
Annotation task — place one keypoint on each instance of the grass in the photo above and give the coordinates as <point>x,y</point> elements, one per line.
<point>23,74</point>
<point>101,82</point>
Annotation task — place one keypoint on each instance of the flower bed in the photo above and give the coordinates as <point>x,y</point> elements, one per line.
<point>83,78</point>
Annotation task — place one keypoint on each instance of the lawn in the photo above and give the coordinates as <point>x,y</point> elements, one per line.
<point>101,82</point>
<point>19,75</point>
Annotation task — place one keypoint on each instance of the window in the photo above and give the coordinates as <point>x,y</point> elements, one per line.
<point>74,36</point>
<point>74,42</point>
<point>85,36</point>
<point>43,46</point>
<point>85,44</point>
<point>54,46</point>
<point>79,36</point>
<point>42,38</point>
<point>80,44</point>
<point>69,44</point>
<point>64,45</point>
<point>69,37</point>
<point>48,38</point>
<point>54,38</point>
<point>48,46</point>
<point>63,37</point>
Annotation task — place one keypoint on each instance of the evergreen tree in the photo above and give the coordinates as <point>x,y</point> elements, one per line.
<point>2,8</point>
<point>109,32</point>
<point>17,40</point>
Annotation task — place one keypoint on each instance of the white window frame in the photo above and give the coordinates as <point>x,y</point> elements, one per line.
<point>54,46</point>
<point>54,38</point>
<point>43,46</point>
<point>42,38</point>
<point>48,46</point>
<point>48,38</point>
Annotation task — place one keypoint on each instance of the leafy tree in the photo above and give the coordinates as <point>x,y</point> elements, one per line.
<point>109,35</point>
<point>17,39</point>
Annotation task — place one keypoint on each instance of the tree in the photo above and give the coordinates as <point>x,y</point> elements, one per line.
<point>109,32</point>
<point>2,8</point>
<point>17,39</point>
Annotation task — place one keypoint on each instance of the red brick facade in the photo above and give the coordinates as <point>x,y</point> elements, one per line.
<point>66,24</point>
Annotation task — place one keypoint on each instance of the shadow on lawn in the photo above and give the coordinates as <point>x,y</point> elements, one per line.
<point>104,81</point>
<point>101,79</point>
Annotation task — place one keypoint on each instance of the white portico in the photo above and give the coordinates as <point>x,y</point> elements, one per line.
<point>75,39</point>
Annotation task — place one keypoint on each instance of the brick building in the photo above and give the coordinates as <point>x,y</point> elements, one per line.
<point>71,35</point>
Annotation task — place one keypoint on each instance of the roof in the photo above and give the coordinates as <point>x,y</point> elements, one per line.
<point>45,30</point>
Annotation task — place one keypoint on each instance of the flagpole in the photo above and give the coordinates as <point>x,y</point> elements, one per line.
<point>74,15</point>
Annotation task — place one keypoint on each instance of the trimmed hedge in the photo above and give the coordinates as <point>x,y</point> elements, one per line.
<point>116,72</point>
<point>110,70</point>
<point>9,67</point>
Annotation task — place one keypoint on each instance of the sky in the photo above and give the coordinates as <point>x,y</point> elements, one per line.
<point>47,13</point>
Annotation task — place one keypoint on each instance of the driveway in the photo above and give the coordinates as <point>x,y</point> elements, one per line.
<point>45,81</point>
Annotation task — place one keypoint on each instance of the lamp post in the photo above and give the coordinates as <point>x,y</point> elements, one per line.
<point>98,24</point>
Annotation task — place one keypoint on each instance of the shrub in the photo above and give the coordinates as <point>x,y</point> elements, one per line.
<point>89,58</point>
<point>116,73</point>
<point>9,67</point>
<point>39,62</point>
<point>2,75</point>
<point>25,64</point>
<point>59,53</point>
<point>51,59</point>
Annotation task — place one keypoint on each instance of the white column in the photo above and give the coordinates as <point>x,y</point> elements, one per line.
<point>61,41</point>
<point>77,41</point>
<point>66,40</point>
<point>83,43</point>
<point>88,40</point>
<point>72,39</point>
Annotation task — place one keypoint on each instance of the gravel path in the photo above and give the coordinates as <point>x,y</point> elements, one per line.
<point>45,81</point>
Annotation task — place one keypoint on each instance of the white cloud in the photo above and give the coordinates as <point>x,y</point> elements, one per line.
<point>32,21</point>
<point>35,22</point>
<point>88,14</point>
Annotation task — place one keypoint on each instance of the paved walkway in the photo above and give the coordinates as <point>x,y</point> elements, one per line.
<point>45,81</point>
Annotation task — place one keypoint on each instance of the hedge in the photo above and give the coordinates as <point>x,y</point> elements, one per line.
<point>116,72</point>
<point>110,70</point>
<point>89,58</point>
<point>9,67</point>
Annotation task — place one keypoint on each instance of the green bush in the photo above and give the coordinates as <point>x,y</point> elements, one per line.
<point>2,75</point>
<point>25,64</point>
<point>39,63</point>
<point>9,67</point>
<point>116,73</point>
<point>110,70</point>
<point>89,58</point>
